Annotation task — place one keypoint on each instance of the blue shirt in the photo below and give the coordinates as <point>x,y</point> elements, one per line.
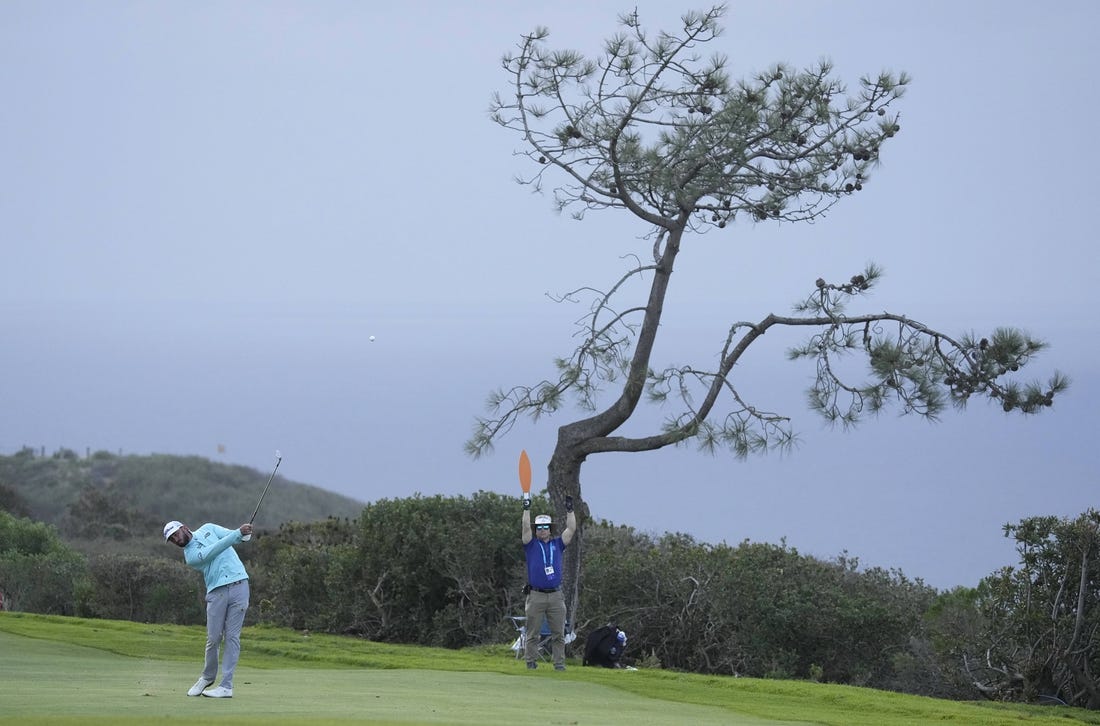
<point>211,552</point>
<point>540,556</point>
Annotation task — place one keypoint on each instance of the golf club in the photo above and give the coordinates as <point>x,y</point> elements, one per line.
<point>278,460</point>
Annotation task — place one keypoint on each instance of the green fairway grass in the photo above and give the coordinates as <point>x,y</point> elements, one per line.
<point>54,682</point>
<point>76,671</point>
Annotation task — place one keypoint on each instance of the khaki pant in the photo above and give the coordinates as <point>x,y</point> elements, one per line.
<point>551,606</point>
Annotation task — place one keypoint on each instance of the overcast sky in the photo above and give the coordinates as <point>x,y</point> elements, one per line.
<point>207,207</point>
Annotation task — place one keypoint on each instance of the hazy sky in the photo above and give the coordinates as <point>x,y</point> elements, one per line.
<point>207,207</point>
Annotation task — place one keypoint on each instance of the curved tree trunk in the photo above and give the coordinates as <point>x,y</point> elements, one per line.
<point>565,479</point>
<point>576,439</point>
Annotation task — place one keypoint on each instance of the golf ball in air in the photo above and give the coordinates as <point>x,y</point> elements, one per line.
<point>371,339</point>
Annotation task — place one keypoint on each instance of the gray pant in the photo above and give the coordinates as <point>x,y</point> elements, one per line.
<point>225,609</point>
<point>550,605</point>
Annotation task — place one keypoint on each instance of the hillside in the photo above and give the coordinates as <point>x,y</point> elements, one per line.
<point>106,502</point>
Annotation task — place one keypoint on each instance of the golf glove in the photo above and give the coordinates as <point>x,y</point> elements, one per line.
<point>526,501</point>
<point>569,502</point>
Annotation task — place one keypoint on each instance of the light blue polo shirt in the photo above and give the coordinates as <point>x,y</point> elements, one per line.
<point>211,552</point>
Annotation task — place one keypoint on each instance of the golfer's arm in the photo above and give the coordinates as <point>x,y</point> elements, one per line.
<point>232,537</point>
<point>570,527</point>
<point>525,535</point>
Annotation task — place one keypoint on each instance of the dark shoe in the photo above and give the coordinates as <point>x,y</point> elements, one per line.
<point>532,665</point>
<point>559,667</point>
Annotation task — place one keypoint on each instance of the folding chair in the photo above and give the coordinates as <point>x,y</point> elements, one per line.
<point>520,643</point>
<point>544,649</point>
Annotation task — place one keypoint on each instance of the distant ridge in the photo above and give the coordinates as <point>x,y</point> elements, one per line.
<point>106,498</point>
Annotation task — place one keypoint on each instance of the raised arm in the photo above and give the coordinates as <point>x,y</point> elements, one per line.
<point>570,521</point>
<point>526,532</point>
<point>226,538</point>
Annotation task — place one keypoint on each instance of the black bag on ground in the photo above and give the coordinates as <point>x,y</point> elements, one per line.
<point>604,647</point>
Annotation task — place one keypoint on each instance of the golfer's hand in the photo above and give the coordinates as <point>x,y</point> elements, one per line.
<point>246,529</point>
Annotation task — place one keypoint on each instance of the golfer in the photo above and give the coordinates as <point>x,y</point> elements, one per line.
<point>544,567</point>
<point>209,549</point>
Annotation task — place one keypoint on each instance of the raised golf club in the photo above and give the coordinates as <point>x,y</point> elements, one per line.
<point>278,460</point>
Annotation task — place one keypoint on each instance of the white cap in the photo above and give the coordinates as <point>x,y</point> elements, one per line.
<point>543,519</point>
<point>171,528</point>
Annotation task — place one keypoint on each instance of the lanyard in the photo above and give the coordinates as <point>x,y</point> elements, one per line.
<point>543,548</point>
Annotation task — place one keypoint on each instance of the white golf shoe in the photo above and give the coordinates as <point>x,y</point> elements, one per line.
<point>219,692</point>
<point>200,685</point>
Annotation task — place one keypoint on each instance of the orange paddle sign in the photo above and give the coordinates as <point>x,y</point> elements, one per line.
<point>524,472</point>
